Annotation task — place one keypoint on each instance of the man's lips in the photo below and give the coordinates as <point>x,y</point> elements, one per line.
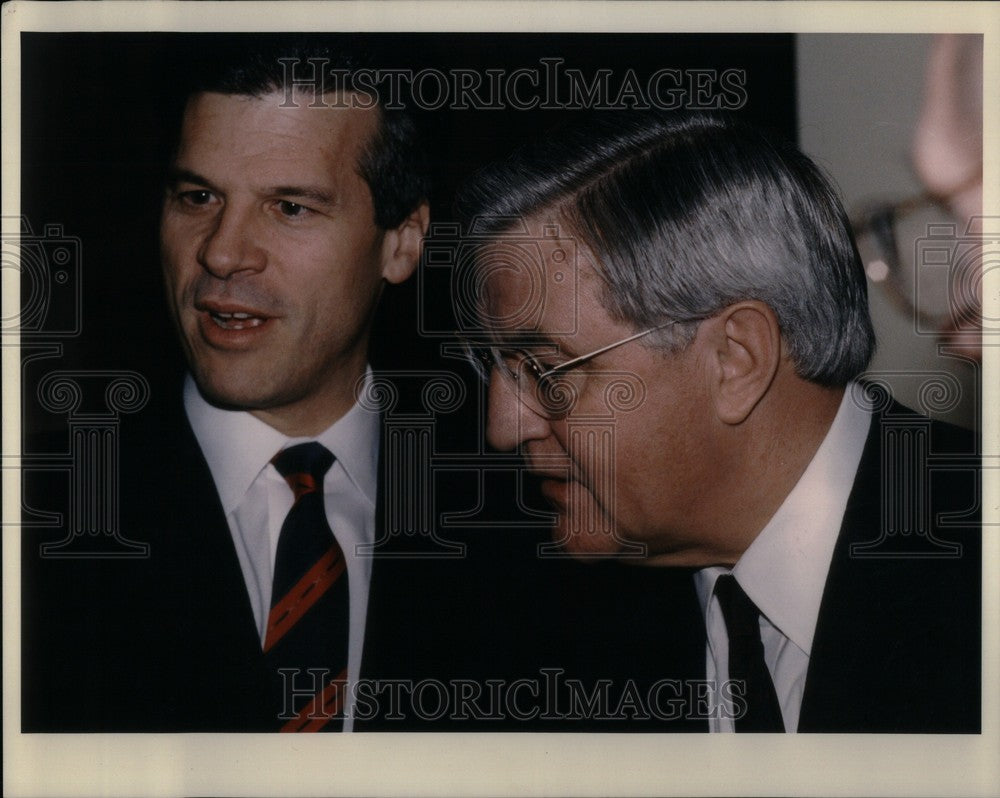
<point>555,467</point>
<point>555,490</point>
<point>562,475</point>
<point>229,326</point>
<point>227,316</point>
<point>236,321</point>
<point>554,486</point>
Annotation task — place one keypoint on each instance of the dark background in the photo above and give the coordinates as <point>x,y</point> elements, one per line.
<point>99,113</point>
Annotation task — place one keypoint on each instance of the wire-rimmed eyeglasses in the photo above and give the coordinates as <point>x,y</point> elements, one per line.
<point>924,257</point>
<point>547,391</point>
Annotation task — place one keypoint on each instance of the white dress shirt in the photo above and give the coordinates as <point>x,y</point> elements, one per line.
<point>256,499</point>
<point>784,570</point>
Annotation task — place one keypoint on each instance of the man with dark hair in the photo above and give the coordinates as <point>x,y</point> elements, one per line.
<point>292,200</point>
<point>278,235</point>
<point>673,319</point>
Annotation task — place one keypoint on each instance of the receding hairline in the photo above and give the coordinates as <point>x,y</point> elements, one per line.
<point>369,104</point>
<point>364,147</point>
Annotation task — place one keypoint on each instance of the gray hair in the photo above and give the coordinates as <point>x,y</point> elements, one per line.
<point>689,214</point>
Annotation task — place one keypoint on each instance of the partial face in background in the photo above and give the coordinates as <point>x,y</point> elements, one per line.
<point>627,462</point>
<point>948,159</point>
<point>272,259</point>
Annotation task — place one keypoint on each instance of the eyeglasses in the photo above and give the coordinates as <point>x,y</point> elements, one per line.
<point>921,255</point>
<point>550,391</point>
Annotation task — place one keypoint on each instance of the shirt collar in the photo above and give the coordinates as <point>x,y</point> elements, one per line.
<point>238,446</point>
<point>354,441</point>
<point>784,570</point>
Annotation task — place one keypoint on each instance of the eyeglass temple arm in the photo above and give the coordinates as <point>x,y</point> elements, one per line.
<point>570,363</point>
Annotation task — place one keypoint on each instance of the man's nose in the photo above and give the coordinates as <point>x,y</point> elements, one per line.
<point>509,423</point>
<point>233,245</point>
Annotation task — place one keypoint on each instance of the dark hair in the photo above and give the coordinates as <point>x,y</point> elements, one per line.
<point>687,214</point>
<point>393,163</point>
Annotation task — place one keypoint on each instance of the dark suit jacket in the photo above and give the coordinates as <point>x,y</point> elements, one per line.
<point>897,646</point>
<point>168,642</point>
<point>898,640</point>
<point>898,637</point>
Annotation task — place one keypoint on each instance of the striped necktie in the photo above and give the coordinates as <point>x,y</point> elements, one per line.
<point>306,643</point>
<point>746,659</point>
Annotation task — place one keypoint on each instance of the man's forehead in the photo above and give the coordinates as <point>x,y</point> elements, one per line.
<point>253,141</point>
<point>535,278</point>
<point>350,120</point>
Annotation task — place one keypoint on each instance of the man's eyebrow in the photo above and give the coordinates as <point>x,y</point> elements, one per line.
<point>309,193</point>
<point>312,194</point>
<point>523,339</point>
<point>179,175</point>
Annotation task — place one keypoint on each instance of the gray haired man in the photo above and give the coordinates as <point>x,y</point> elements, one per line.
<point>674,318</point>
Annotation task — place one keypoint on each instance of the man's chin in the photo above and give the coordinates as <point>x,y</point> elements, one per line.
<point>582,528</point>
<point>588,542</point>
<point>229,392</point>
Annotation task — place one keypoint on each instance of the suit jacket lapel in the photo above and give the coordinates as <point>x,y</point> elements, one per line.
<point>200,623</point>
<point>896,645</point>
<point>840,661</point>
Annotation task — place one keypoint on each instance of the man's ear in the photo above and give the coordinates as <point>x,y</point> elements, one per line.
<point>746,345</point>
<point>402,246</point>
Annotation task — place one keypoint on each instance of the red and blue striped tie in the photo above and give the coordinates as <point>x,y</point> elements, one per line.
<point>307,629</point>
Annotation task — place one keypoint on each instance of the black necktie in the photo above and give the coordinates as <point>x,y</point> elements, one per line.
<point>307,629</point>
<point>746,659</point>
